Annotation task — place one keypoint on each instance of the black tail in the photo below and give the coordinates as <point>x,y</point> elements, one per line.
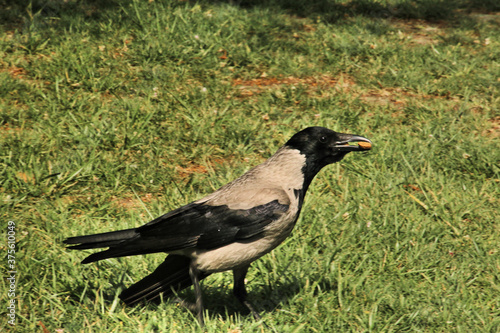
<point>171,276</point>
<point>107,239</point>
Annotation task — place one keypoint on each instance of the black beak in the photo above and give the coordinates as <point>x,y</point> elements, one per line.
<point>349,142</point>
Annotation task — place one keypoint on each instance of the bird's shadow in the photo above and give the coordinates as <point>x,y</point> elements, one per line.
<point>219,301</point>
<point>265,298</point>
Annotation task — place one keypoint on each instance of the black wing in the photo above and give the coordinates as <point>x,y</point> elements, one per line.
<point>192,226</point>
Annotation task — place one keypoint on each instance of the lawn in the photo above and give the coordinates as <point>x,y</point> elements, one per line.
<point>114,112</point>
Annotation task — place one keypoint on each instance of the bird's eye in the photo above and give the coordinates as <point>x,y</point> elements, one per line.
<point>322,139</point>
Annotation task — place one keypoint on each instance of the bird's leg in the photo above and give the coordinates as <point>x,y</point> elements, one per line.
<point>195,278</point>
<point>239,289</point>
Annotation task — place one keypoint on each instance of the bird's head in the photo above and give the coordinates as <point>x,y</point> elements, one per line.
<point>322,146</point>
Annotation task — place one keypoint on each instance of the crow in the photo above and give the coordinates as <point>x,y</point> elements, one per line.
<point>230,228</point>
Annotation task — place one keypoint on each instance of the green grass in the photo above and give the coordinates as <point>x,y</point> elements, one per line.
<point>114,112</point>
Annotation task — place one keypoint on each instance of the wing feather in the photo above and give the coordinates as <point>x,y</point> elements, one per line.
<point>206,227</point>
<point>198,225</point>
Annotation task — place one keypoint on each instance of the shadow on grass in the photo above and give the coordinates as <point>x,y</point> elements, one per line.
<point>217,301</point>
<point>14,13</point>
<point>18,15</point>
<point>334,11</point>
<point>265,299</point>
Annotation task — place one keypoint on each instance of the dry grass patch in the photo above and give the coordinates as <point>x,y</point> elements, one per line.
<point>132,202</point>
<point>396,98</point>
<point>419,32</point>
<point>399,98</point>
<point>494,130</point>
<point>257,86</point>
<point>195,168</point>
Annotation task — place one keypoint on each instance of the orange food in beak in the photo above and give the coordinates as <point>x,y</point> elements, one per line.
<point>365,145</point>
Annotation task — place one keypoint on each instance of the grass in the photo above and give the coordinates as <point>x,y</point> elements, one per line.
<point>114,112</point>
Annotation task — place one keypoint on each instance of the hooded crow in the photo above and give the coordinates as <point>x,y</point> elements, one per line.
<point>230,228</point>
